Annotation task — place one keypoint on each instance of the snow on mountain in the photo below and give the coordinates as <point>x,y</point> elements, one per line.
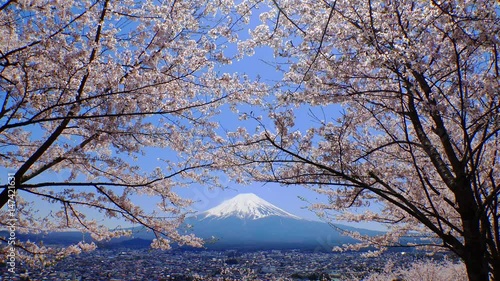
<point>246,206</point>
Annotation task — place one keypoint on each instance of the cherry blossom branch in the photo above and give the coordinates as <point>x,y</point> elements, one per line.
<point>62,126</point>
<point>108,115</point>
<point>36,42</point>
<point>390,195</point>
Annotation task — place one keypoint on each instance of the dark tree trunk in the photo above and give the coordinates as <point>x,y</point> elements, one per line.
<point>477,267</point>
<point>475,254</point>
<point>475,250</point>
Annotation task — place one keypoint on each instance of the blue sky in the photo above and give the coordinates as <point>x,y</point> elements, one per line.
<point>289,198</point>
<point>294,199</point>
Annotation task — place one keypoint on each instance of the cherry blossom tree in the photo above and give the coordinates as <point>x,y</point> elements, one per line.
<point>405,118</point>
<point>422,270</point>
<point>87,89</point>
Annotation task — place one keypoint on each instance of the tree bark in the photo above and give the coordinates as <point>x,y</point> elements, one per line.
<point>475,250</point>
<point>476,263</point>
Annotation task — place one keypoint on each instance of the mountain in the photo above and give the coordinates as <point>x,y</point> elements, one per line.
<point>246,206</point>
<point>250,222</point>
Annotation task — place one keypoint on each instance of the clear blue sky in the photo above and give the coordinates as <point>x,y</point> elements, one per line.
<point>287,198</point>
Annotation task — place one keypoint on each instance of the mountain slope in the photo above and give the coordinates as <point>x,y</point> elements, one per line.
<point>247,221</point>
<point>270,232</point>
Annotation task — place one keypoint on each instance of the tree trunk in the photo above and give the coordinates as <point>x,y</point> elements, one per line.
<point>477,267</point>
<point>475,256</point>
<point>476,271</point>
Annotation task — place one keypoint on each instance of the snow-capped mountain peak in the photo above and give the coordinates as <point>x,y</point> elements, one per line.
<point>246,206</point>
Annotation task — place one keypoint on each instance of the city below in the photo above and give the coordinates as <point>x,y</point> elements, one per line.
<point>144,264</point>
